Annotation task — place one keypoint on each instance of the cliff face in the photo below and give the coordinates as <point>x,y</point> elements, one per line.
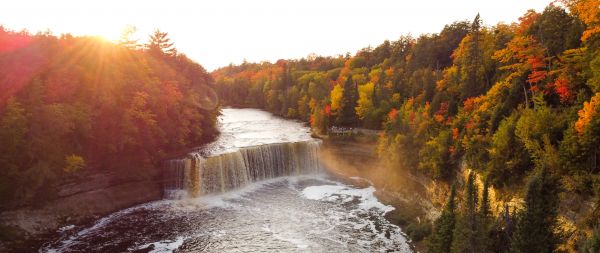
<point>418,199</point>
<point>92,194</point>
<point>356,160</point>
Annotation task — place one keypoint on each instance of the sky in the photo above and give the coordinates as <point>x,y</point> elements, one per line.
<point>217,33</point>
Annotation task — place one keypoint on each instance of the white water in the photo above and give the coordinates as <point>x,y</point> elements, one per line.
<point>278,203</point>
<point>253,146</point>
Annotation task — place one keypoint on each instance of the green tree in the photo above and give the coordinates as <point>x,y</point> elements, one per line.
<point>539,137</point>
<point>485,216</point>
<point>470,59</point>
<point>13,130</point>
<point>434,157</point>
<point>536,224</point>
<point>467,234</point>
<point>347,113</point>
<point>508,158</point>
<point>485,209</point>
<point>557,30</point>
<point>319,119</point>
<point>441,238</point>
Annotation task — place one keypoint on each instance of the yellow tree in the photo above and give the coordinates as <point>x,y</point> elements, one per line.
<point>365,100</point>
<point>336,97</point>
<point>586,114</point>
<point>589,12</point>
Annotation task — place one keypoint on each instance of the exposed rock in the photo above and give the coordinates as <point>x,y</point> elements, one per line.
<point>96,194</point>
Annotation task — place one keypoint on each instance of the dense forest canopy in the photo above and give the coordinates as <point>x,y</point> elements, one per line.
<point>516,106</point>
<point>517,103</point>
<point>70,104</point>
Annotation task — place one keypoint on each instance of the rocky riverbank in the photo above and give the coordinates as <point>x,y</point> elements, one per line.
<point>91,195</point>
<point>417,200</point>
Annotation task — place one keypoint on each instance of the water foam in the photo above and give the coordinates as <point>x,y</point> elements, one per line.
<point>292,214</point>
<point>164,246</point>
<point>345,193</point>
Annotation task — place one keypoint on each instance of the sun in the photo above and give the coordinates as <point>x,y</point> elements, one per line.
<point>108,33</point>
<point>109,36</point>
<point>117,34</point>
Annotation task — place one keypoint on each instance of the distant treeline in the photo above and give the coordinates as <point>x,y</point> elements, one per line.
<point>517,103</point>
<point>70,104</point>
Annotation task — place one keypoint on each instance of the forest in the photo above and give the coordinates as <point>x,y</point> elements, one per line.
<point>517,104</point>
<point>74,104</point>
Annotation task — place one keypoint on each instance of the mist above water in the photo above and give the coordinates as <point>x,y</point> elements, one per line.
<point>259,187</point>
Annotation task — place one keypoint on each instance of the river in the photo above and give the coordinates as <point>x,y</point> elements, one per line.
<point>258,188</point>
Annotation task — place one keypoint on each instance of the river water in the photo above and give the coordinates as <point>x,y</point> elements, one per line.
<point>290,210</point>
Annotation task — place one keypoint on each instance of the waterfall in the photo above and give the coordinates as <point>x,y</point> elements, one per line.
<point>199,175</point>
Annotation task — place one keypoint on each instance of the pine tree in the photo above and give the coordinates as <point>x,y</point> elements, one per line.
<point>347,114</point>
<point>536,224</point>
<point>485,216</point>
<point>501,232</point>
<point>125,39</point>
<point>484,209</point>
<point>467,234</point>
<point>441,238</point>
<point>160,44</point>
<point>469,58</point>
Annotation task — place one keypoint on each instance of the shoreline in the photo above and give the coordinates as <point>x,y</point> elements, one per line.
<point>353,161</point>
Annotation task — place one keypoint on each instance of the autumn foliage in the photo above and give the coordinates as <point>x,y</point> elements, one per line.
<point>74,104</point>
<point>587,114</point>
<point>501,100</point>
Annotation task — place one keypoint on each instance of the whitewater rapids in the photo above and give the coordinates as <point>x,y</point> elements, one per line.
<point>258,188</point>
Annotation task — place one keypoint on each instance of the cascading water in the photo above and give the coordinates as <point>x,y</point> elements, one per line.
<point>252,190</point>
<point>199,175</point>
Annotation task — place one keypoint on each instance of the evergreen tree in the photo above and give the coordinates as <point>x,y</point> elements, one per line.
<point>467,234</point>
<point>13,133</point>
<point>160,44</point>
<point>484,208</point>
<point>470,62</point>
<point>536,224</point>
<point>126,39</point>
<point>441,238</point>
<point>485,215</point>
<point>501,232</point>
<point>347,114</point>
<point>556,30</point>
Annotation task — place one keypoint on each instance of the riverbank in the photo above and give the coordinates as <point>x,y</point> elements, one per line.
<point>416,199</point>
<point>91,195</point>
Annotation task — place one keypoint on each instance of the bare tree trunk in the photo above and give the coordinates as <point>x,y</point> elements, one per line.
<point>526,100</point>
<point>595,161</point>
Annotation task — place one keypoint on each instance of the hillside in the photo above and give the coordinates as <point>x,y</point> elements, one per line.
<point>80,114</point>
<point>517,104</point>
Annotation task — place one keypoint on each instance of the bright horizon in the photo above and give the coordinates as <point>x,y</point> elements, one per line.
<point>218,33</point>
